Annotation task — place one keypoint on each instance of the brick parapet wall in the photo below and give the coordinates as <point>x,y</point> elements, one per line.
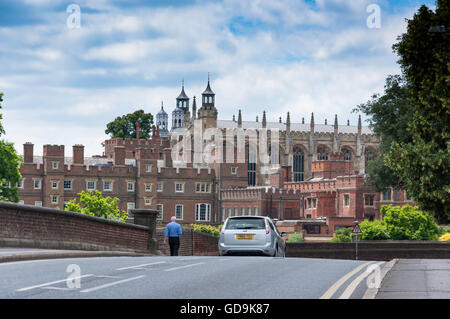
<point>29,226</point>
<point>192,243</point>
<point>370,250</point>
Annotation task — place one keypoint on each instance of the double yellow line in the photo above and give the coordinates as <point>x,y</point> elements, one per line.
<point>352,286</point>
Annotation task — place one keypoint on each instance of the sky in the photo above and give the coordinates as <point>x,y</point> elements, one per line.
<point>63,81</point>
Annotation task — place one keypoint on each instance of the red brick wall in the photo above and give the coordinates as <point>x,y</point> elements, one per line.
<point>192,243</point>
<point>22,225</point>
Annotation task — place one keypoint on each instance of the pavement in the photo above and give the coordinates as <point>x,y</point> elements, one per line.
<point>21,254</point>
<point>417,279</point>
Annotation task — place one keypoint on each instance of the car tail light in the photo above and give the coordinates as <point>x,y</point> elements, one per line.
<point>267,228</point>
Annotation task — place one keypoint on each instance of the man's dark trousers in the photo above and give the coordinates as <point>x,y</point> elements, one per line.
<point>174,243</point>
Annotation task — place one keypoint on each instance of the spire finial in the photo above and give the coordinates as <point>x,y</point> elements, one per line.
<point>208,77</point>
<point>182,82</point>
<point>162,105</point>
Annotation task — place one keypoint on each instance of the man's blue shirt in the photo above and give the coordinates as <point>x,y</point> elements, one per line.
<point>173,229</point>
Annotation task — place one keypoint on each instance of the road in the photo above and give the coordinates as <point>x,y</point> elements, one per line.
<point>184,278</point>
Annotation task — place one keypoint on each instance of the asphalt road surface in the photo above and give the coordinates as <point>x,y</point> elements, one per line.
<point>185,278</point>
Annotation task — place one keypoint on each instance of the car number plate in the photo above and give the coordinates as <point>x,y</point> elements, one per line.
<point>245,236</point>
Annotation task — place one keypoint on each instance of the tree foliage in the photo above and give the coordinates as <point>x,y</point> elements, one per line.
<point>9,167</point>
<point>409,223</point>
<point>423,164</point>
<point>374,230</point>
<point>389,115</point>
<point>125,126</point>
<point>94,204</point>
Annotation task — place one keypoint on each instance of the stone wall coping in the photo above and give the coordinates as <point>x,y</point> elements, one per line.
<point>46,210</point>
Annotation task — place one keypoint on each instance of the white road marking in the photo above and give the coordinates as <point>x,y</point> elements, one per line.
<point>52,282</point>
<point>185,266</point>
<point>352,286</point>
<point>332,290</point>
<point>112,284</point>
<point>142,265</point>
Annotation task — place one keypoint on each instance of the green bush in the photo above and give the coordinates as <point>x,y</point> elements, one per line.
<point>374,230</point>
<point>409,223</point>
<point>295,238</point>
<point>94,204</point>
<point>342,235</point>
<point>207,229</point>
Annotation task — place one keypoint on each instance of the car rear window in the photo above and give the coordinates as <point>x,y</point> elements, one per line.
<point>246,223</point>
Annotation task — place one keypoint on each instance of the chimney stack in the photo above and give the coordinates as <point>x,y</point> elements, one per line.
<point>78,154</point>
<point>119,156</point>
<point>28,152</point>
<point>138,130</point>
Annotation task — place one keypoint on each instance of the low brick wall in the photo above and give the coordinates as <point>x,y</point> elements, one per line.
<point>38,227</point>
<point>370,250</point>
<point>192,243</point>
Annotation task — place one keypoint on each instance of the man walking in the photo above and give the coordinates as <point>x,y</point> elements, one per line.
<point>173,231</point>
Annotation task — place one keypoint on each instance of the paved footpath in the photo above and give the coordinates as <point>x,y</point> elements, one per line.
<point>18,254</point>
<point>417,279</point>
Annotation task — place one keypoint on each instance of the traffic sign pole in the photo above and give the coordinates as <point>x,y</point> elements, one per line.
<point>356,231</point>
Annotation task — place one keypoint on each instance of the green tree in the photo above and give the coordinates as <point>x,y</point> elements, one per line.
<point>389,115</point>
<point>9,167</point>
<point>94,204</point>
<point>409,223</point>
<point>125,126</point>
<point>342,235</point>
<point>423,164</point>
<point>373,230</point>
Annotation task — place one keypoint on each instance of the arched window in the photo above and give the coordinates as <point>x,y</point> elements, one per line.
<point>347,154</point>
<point>368,156</point>
<point>322,154</point>
<point>298,164</point>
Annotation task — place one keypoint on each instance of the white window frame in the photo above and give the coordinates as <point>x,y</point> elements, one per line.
<point>176,188</point>
<point>346,196</point>
<point>148,168</point>
<point>108,189</point>
<point>87,185</point>
<point>38,203</point>
<point>20,184</point>
<point>160,209</point>
<point>373,201</point>
<point>34,183</point>
<point>148,187</point>
<point>53,184</point>
<point>130,206</point>
<point>182,211</point>
<point>234,170</point>
<point>160,187</point>
<point>128,186</point>
<point>55,166</point>
<point>53,197</point>
<point>207,212</point>
<point>64,184</point>
<point>147,201</point>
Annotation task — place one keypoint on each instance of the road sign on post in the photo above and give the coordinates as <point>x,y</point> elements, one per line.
<point>356,231</point>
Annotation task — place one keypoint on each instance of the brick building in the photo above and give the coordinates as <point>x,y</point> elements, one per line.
<point>314,170</point>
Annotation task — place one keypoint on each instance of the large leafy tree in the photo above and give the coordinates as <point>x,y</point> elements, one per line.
<point>389,114</point>
<point>94,204</point>
<point>125,126</point>
<point>9,167</point>
<point>423,164</point>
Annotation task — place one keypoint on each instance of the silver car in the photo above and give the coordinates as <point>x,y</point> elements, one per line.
<point>251,235</point>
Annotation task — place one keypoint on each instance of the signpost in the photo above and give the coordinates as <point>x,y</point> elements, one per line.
<point>356,231</point>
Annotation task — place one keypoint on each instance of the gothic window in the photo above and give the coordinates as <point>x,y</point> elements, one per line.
<point>298,164</point>
<point>322,154</point>
<point>251,166</point>
<point>368,156</point>
<point>347,154</point>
